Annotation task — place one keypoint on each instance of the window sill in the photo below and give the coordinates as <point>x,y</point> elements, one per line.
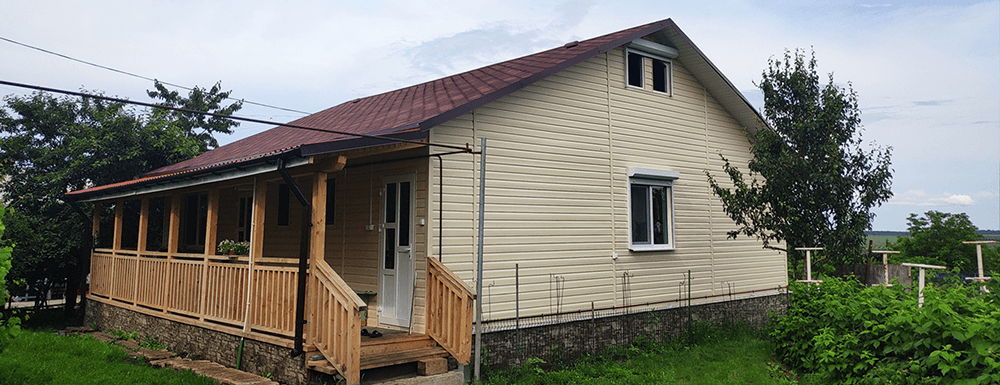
<point>652,247</point>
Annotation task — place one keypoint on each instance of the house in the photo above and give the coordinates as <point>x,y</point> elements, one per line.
<point>596,204</point>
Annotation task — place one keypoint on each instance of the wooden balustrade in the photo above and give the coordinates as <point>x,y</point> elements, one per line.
<point>201,289</point>
<point>449,311</point>
<point>334,326</point>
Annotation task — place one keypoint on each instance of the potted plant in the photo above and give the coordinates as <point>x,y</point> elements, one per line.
<point>229,247</point>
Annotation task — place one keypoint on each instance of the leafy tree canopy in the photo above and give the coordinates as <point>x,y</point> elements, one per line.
<point>50,145</point>
<point>810,182</point>
<point>936,238</point>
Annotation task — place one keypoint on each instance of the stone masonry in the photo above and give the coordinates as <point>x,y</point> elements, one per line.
<point>565,341</point>
<point>200,343</point>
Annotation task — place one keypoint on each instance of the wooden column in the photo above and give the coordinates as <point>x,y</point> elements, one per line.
<point>143,226</point>
<point>173,234</point>
<point>97,223</point>
<point>173,238</point>
<point>212,224</point>
<point>119,213</point>
<point>257,223</point>
<point>317,241</point>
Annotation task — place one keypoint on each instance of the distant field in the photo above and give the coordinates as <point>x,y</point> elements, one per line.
<point>879,240</point>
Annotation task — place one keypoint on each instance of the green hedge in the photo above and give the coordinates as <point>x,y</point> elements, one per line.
<point>842,332</point>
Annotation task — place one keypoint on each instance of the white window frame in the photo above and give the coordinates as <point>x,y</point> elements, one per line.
<point>652,178</point>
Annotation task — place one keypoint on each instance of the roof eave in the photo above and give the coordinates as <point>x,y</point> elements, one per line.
<point>220,173</point>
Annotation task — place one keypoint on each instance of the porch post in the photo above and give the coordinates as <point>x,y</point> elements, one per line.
<point>119,213</point>
<point>211,224</point>
<point>173,234</point>
<point>97,223</point>
<point>317,241</point>
<point>143,226</point>
<point>257,223</point>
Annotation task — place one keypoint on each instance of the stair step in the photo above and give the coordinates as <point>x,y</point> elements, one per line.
<point>394,343</point>
<point>402,357</point>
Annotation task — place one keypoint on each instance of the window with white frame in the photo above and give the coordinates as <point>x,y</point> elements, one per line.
<point>637,53</point>
<point>651,209</point>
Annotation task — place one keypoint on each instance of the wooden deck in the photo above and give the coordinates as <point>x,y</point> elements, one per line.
<point>392,348</point>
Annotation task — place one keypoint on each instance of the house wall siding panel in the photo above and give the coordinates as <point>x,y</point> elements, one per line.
<point>557,193</point>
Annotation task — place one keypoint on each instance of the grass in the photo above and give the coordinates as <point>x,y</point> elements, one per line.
<point>39,356</point>
<point>717,356</point>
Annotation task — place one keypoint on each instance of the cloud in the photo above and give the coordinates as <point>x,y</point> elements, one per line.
<point>875,5</point>
<point>960,199</point>
<point>988,194</point>
<point>924,103</point>
<point>921,198</point>
<point>494,42</point>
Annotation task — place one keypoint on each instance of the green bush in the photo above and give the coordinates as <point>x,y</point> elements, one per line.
<point>843,332</point>
<point>9,324</point>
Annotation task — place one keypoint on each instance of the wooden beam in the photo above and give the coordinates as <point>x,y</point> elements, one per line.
<point>119,214</point>
<point>257,223</point>
<point>173,235</point>
<point>97,223</point>
<point>143,225</point>
<point>212,224</point>
<point>332,164</point>
<point>317,245</point>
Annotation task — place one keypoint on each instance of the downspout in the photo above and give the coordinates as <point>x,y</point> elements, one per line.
<point>300,297</point>
<point>440,207</point>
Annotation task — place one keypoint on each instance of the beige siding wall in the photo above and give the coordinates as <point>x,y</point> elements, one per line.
<point>557,193</point>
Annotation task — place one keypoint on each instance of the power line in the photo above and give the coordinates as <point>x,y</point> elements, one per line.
<point>251,120</point>
<point>137,75</point>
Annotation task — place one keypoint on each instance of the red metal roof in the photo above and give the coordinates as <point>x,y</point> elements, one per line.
<point>420,106</point>
<point>423,105</point>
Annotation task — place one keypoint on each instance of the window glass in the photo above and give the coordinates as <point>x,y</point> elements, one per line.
<point>635,70</point>
<point>390,203</point>
<point>640,214</point>
<point>390,250</point>
<point>404,214</point>
<point>660,217</point>
<point>660,75</point>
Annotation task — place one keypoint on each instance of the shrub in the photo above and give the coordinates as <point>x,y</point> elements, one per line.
<point>846,333</point>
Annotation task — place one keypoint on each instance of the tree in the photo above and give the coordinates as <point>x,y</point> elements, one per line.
<point>936,238</point>
<point>52,145</point>
<point>810,182</point>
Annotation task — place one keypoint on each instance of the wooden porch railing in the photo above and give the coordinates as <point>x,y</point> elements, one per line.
<point>449,311</point>
<point>206,290</point>
<point>334,326</point>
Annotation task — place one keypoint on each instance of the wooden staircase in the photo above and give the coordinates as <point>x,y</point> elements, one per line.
<point>393,348</point>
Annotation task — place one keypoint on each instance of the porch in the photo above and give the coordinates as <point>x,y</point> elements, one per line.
<point>160,260</point>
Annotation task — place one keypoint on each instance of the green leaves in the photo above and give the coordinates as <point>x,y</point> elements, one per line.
<point>847,333</point>
<point>810,183</point>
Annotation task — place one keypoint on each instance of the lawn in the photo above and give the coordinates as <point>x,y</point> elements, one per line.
<point>40,356</point>
<point>717,356</point>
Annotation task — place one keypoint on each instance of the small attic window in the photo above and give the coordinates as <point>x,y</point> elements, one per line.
<point>659,56</point>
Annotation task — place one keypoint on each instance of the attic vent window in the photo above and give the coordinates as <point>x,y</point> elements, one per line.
<point>641,52</point>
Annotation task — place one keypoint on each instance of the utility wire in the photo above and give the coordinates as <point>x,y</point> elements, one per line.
<point>138,76</point>
<point>251,120</point>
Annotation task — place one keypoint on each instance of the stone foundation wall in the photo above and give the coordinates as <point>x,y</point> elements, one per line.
<point>200,343</point>
<point>566,341</point>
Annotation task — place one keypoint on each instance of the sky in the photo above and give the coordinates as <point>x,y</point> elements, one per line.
<point>927,73</point>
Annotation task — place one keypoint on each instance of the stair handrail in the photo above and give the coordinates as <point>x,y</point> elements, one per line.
<point>449,310</point>
<point>328,297</point>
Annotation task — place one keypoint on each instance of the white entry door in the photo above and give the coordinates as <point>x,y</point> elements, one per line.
<point>395,293</point>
